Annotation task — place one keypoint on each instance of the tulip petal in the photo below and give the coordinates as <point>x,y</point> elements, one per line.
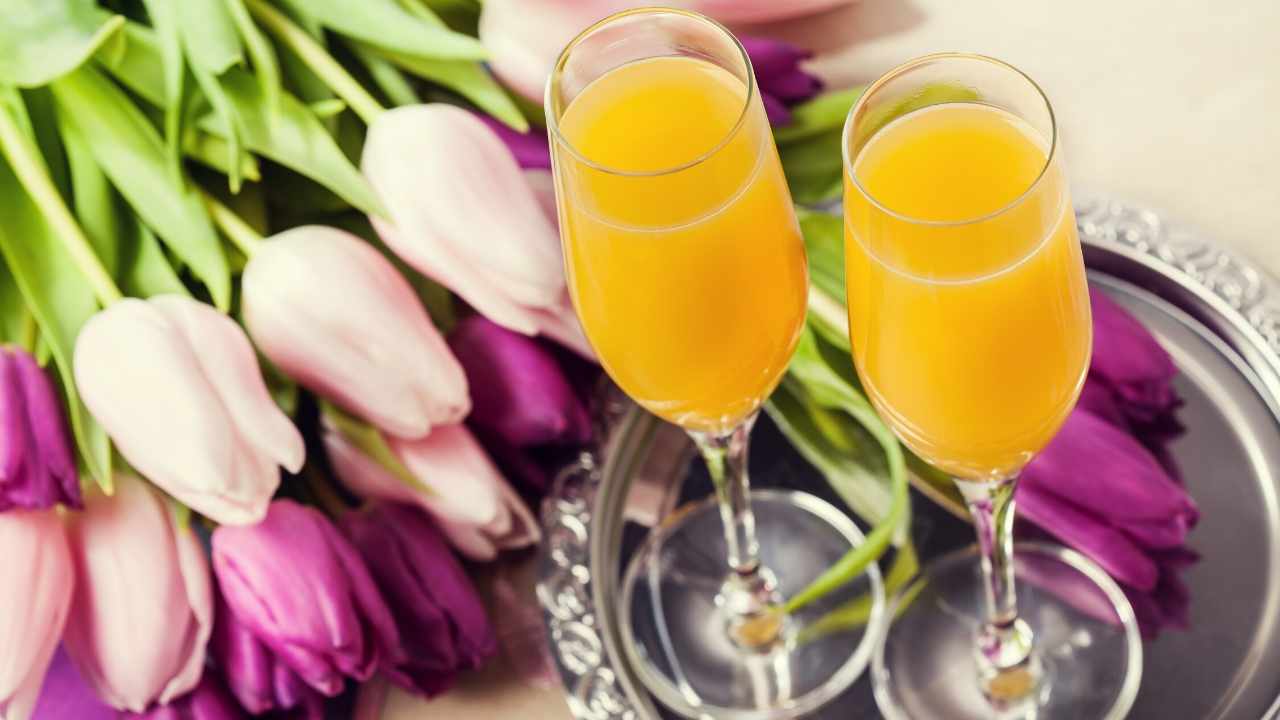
<point>15,442</point>
<point>227,359</point>
<point>524,37</point>
<point>461,210</point>
<point>140,616</point>
<point>523,530</point>
<point>1131,361</point>
<point>760,11</point>
<point>530,149</point>
<point>38,561</point>
<point>371,348</point>
<point>59,481</point>
<point>452,464</point>
<point>1103,543</point>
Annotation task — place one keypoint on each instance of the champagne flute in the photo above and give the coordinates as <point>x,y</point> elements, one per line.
<point>687,269</point>
<point>970,325</point>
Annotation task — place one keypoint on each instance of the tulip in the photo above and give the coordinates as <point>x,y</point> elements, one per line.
<point>37,469</point>
<point>781,81</point>
<point>260,682</point>
<point>437,610</point>
<point>208,701</point>
<point>518,391</point>
<point>38,575</point>
<point>333,313</point>
<point>524,37</point>
<point>455,482</point>
<point>1131,362</point>
<point>530,149</point>
<point>177,386</point>
<point>142,609</point>
<point>463,214</point>
<point>302,591</point>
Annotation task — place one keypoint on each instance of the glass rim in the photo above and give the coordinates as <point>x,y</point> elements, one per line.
<point>910,65</point>
<point>553,122</point>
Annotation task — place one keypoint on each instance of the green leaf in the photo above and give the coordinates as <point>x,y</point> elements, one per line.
<point>819,115</point>
<point>44,126</point>
<point>226,112</point>
<point>389,26</point>
<point>327,108</point>
<point>209,35</point>
<point>265,65</point>
<point>460,15</point>
<point>369,440</point>
<point>250,205</point>
<point>393,84</point>
<point>165,19</point>
<point>468,79</point>
<point>142,66</point>
<point>92,197</point>
<point>211,151</point>
<point>295,138</point>
<point>15,319</point>
<point>60,300</point>
<point>144,269</point>
<point>824,244</point>
<point>131,153</point>
<point>814,168</point>
<point>41,40</point>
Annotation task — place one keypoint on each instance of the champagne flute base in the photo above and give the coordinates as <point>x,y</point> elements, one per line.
<point>689,643</point>
<point>1087,656</point>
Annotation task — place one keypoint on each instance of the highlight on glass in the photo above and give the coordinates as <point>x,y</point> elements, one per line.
<point>688,272</point>
<point>970,325</point>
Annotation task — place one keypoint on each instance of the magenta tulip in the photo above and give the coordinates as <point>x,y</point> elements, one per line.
<point>256,677</point>
<point>38,575</point>
<point>454,481</point>
<point>781,80</point>
<point>37,468</point>
<point>332,312</point>
<point>177,386</point>
<point>530,149</point>
<point>437,610</point>
<point>463,214</point>
<point>66,696</point>
<point>302,591</point>
<point>518,390</point>
<point>1131,362</point>
<point>143,608</point>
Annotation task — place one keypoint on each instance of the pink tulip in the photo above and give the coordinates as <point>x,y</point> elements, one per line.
<point>463,214</point>
<point>177,386</point>
<point>37,576</point>
<point>525,37</point>
<point>456,482</point>
<point>336,315</point>
<point>143,605</point>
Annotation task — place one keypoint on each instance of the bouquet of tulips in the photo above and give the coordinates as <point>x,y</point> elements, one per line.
<point>247,240</point>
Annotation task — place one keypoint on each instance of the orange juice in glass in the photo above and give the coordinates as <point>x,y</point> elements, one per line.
<point>970,328</point>
<point>687,269</point>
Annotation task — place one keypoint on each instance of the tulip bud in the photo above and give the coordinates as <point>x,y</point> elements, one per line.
<point>303,592</point>
<point>142,609</point>
<point>38,574</point>
<point>518,391</point>
<point>1131,362</point>
<point>463,214</point>
<point>334,314</point>
<point>437,611</point>
<point>530,149</point>
<point>779,77</point>
<point>208,701</point>
<point>456,483</point>
<point>37,468</point>
<point>255,676</point>
<point>177,387</point>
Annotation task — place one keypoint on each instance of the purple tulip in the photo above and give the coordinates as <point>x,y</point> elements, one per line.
<point>37,468</point>
<point>437,611</point>
<point>66,696</point>
<point>531,149</point>
<point>208,701</point>
<point>300,588</point>
<point>1132,364</point>
<point>781,80</point>
<point>256,677</point>
<point>518,391</point>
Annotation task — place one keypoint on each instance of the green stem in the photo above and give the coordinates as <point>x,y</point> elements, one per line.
<point>34,176</point>
<point>233,226</point>
<point>319,60</point>
<point>27,335</point>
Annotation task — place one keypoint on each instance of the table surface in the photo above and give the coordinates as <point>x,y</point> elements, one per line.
<point>1170,104</point>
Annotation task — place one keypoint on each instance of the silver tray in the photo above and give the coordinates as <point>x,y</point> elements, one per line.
<point>1217,314</point>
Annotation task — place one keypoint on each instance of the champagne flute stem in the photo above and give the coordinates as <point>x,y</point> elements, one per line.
<point>1006,663</point>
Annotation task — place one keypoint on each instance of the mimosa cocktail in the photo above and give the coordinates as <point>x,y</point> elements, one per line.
<point>691,286</point>
<point>970,328</point>
<point>936,313</point>
<point>687,269</point>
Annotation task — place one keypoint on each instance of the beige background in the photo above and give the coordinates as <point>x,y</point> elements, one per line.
<point>1172,104</point>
